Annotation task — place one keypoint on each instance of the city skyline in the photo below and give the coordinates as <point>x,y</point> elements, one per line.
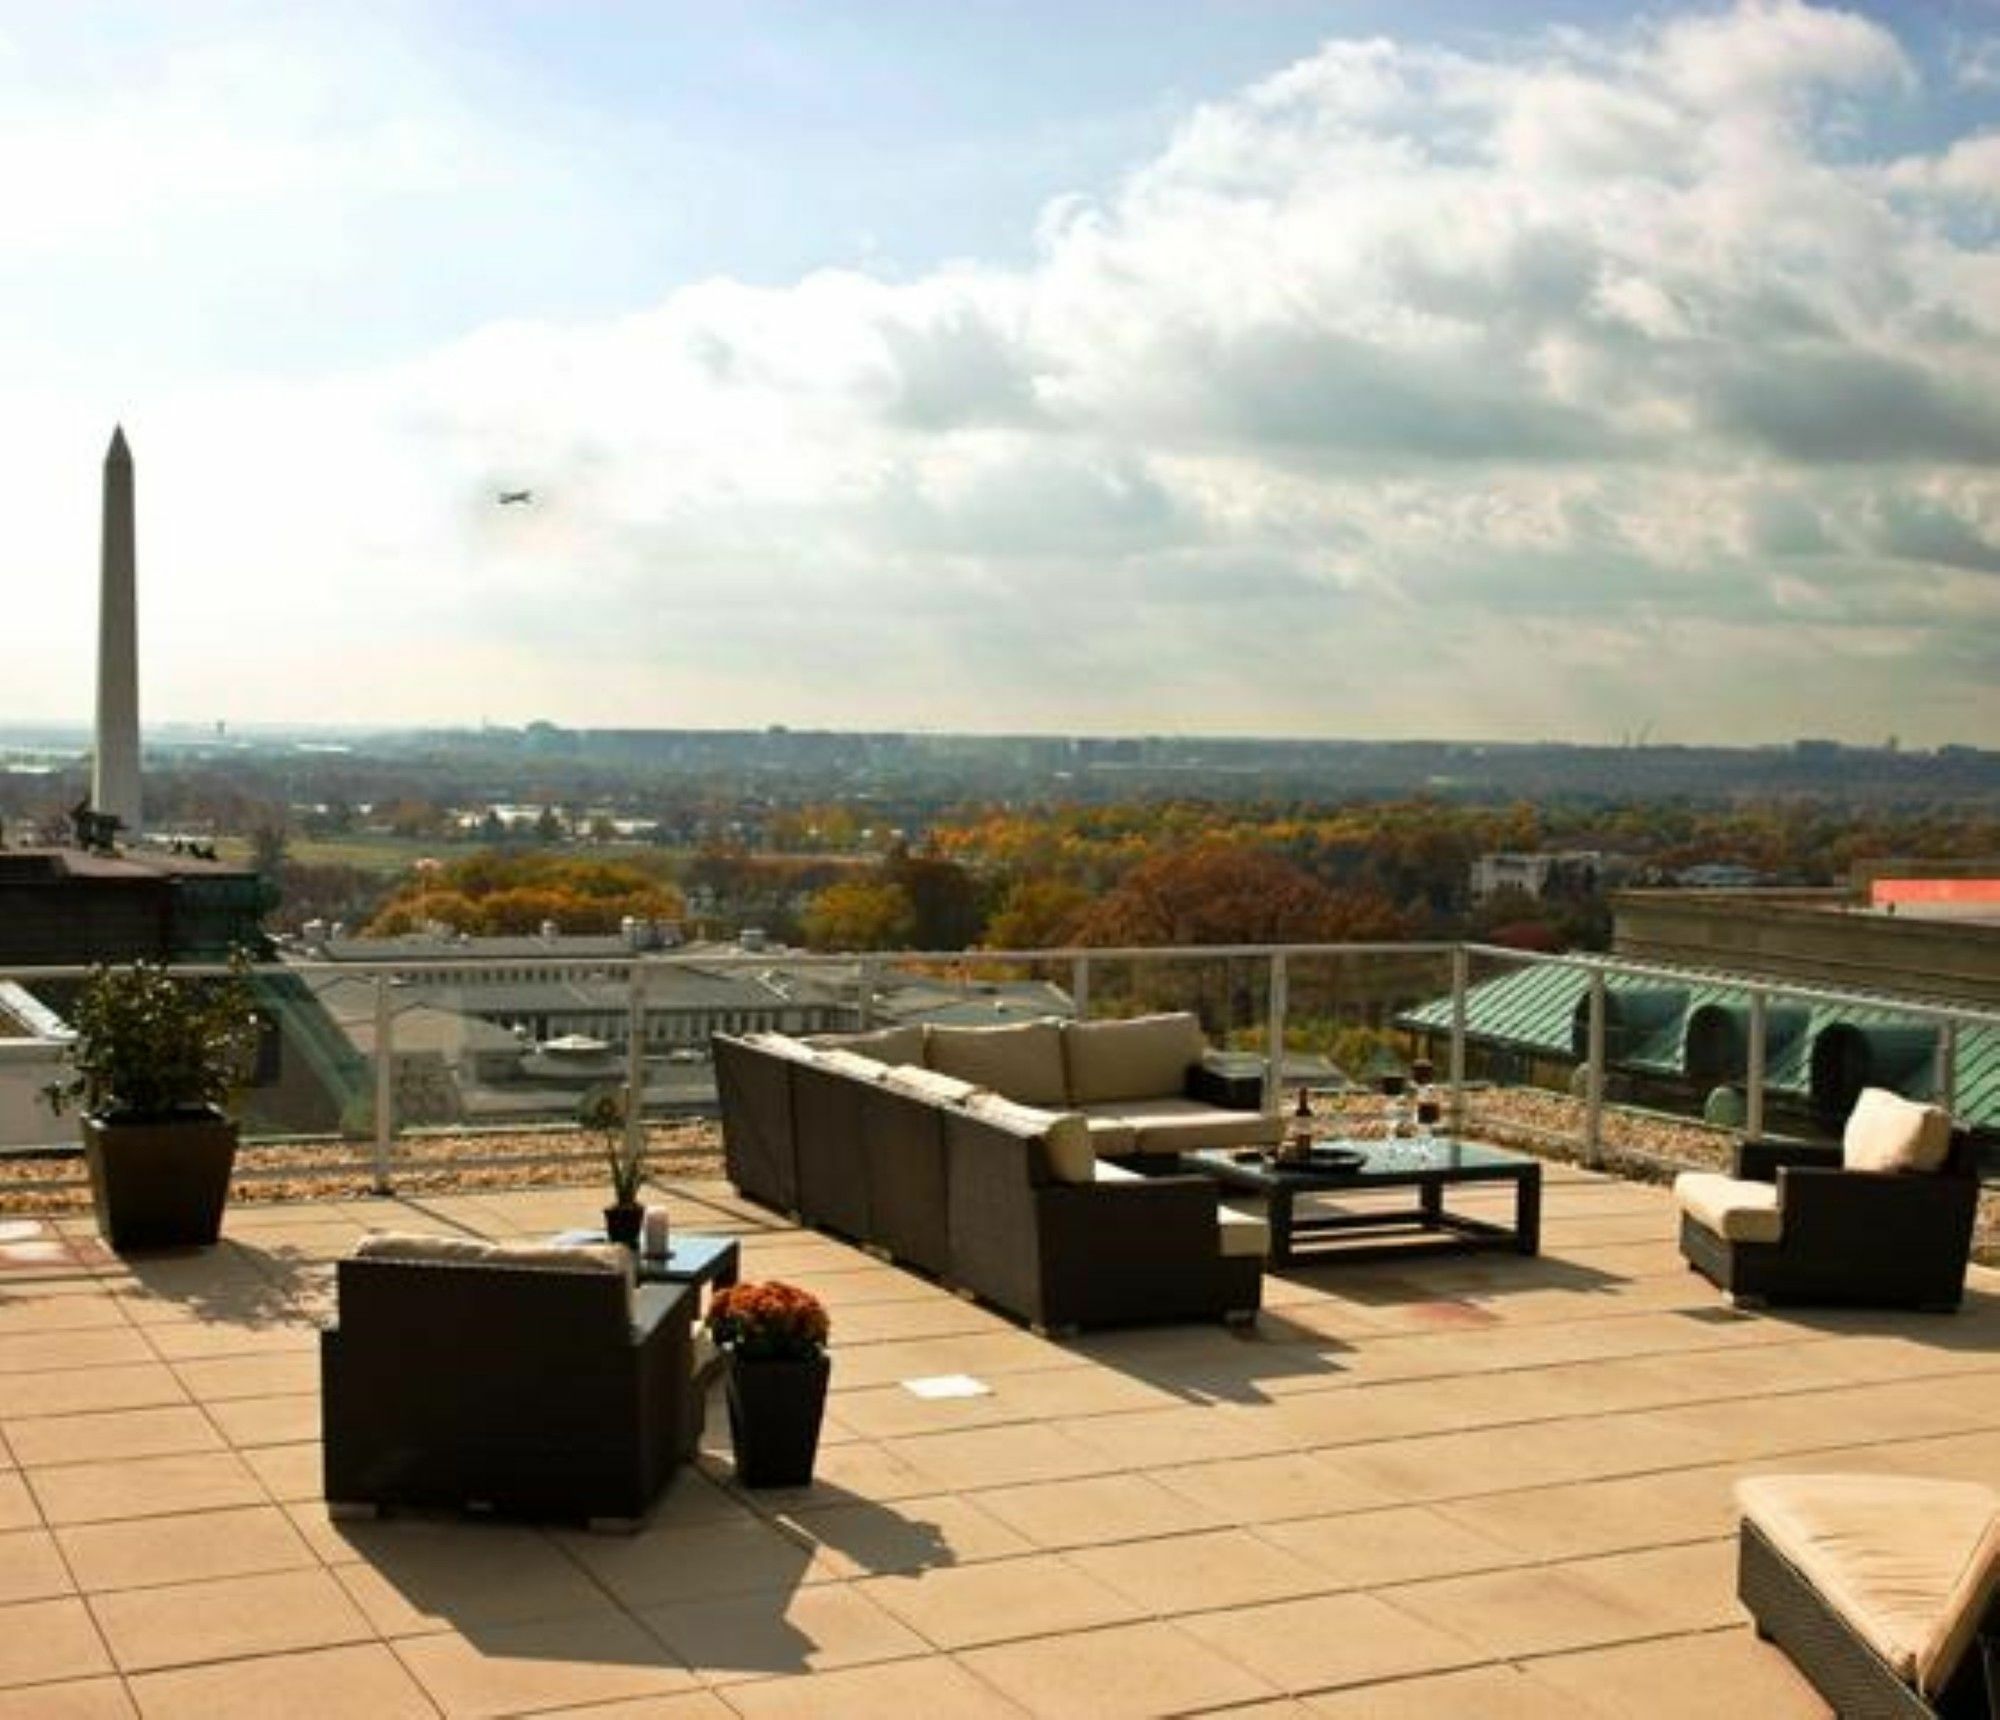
<point>1318,369</point>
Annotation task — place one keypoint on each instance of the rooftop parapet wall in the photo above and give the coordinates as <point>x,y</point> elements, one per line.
<point>1810,938</point>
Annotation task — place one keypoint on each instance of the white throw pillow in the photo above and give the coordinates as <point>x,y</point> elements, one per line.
<point>1887,1132</point>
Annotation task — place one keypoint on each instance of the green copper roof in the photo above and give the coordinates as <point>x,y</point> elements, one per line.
<point>1534,1009</point>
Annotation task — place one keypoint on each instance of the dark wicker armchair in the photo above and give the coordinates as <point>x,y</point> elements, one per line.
<point>1868,1238</point>
<point>538,1391</point>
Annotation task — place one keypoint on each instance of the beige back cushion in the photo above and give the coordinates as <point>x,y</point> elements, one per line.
<point>407,1245</point>
<point>1972,1597</point>
<point>1886,1132</point>
<point>1023,1062</point>
<point>885,1044</point>
<point>850,1063</point>
<point>931,1084</point>
<point>1064,1135</point>
<point>1146,1058</point>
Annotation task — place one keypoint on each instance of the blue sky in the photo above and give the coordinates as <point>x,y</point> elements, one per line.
<point>1503,370</point>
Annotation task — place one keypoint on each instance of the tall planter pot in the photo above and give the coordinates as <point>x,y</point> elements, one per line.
<point>161,1183</point>
<point>775,1408</point>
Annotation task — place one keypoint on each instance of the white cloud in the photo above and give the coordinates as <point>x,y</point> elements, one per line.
<point>1571,387</point>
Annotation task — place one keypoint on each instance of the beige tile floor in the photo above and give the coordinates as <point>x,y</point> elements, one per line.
<point>1456,1485</point>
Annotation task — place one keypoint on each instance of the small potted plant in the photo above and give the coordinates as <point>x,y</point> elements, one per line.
<point>775,1338</point>
<point>603,1109</point>
<point>153,1061</point>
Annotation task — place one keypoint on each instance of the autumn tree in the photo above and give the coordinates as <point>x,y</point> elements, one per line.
<point>1212,893</point>
<point>861,914</point>
<point>1037,914</point>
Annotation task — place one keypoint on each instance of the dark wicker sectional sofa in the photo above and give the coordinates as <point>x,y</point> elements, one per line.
<point>1002,1201</point>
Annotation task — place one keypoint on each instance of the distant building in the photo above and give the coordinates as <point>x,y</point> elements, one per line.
<point>1571,874</point>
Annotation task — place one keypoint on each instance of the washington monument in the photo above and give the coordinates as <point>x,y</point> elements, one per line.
<point>114,778</point>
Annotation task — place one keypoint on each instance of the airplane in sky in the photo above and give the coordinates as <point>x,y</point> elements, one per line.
<point>509,497</point>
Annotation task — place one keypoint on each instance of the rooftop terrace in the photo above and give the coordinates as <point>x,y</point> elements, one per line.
<point>1480,1485</point>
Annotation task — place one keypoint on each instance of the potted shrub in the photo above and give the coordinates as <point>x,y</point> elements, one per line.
<point>603,1109</point>
<point>153,1061</point>
<point>775,1338</point>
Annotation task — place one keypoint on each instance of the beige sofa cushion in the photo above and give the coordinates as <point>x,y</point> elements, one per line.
<point>1109,1131</point>
<point>931,1084</point>
<point>1242,1233</point>
<point>1064,1136</point>
<point>1971,1597</point>
<point>1145,1058</point>
<point>1023,1062</point>
<point>1886,1132</point>
<point>1736,1210</point>
<point>1888,1553</point>
<point>1177,1126</point>
<point>899,1045</point>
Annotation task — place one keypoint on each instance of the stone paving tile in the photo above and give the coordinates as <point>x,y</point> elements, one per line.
<point>71,1391</point>
<point>418,1576</point>
<point>1133,1670</point>
<point>104,1346</point>
<point>111,1435</point>
<point>31,1567</point>
<point>696,1561</point>
<point>515,1669</point>
<point>865,1538</point>
<point>1200,1572</point>
<point>23,1311</point>
<point>1275,1489</point>
<point>78,1699</point>
<point>1487,1692</point>
<point>1683,1678</point>
<point>1507,1615</point>
<point>267,1420</point>
<point>935,1686</point>
<point>250,1376</point>
<point>44,1641</point>
<point>780,1632</point>
<point>956,1607</point>
<point>1098,1509</point>
<point>361,1682</point>
<point>290,1473</point>
<point>1163,1437</point>
<point>154,1550</point>
<point>226,1618</point>
<point>17,1504</point>
<point>1369,1549</point>
<point>1329,1640</point>
<point>1588,1517</point>
<point>144,1487</point>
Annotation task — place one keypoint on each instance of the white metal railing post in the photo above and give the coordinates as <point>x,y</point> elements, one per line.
<point>1279,1002</point>
<point>385,1084</point>
<point>871,975</point>
<point>1079,986</point>
<point>1754,1064</point>
<point>1461,973</point>
<point>1593,1110</point>
<point>635,1058</point>
<point>1947,1066</point>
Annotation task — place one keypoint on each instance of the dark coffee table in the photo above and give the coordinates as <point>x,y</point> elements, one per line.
<point>691,1258</point>
<point>1375,1165</point>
